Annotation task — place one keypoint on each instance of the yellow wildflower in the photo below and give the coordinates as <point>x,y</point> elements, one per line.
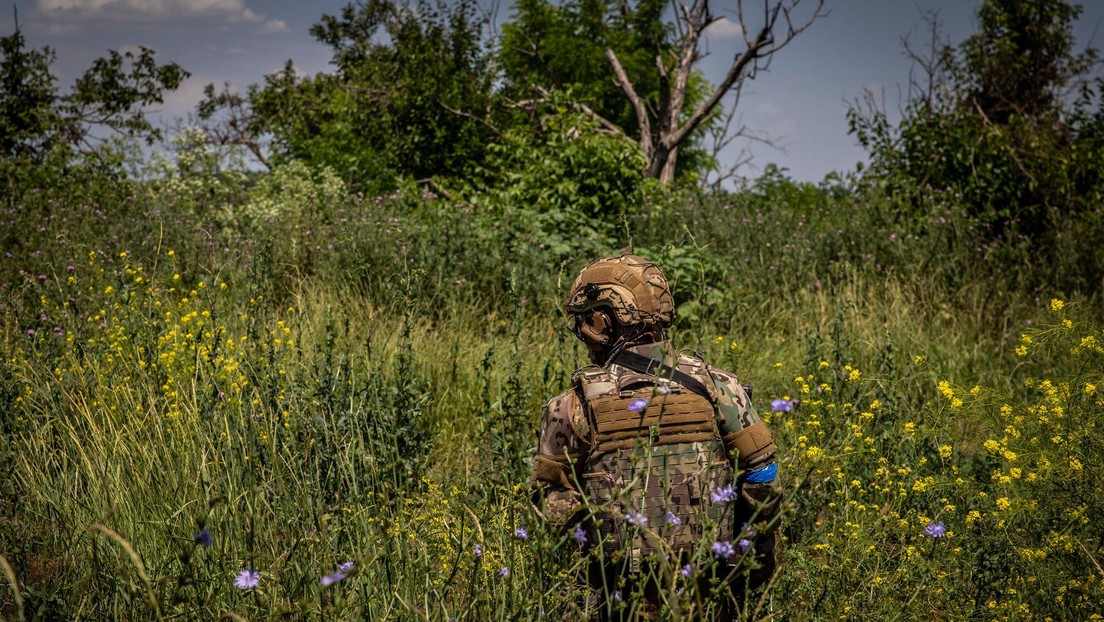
<point>1056,305</point>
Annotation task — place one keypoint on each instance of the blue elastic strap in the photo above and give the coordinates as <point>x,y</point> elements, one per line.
<point>762,475</point>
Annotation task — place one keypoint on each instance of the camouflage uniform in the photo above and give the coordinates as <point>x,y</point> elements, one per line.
<point>659,466</point>
<point>652,453</point>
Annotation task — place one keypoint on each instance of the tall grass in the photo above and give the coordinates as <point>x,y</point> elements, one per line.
<point>358,380</point>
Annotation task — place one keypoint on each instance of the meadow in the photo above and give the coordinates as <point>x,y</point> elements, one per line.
<point>277,398</point>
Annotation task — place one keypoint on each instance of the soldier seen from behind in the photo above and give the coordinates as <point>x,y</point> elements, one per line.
<point>656,462</point>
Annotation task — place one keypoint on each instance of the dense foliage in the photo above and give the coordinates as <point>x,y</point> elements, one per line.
<point>1008,123</point>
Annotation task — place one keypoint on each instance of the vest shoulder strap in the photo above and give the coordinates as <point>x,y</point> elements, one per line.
<point>654,367</point>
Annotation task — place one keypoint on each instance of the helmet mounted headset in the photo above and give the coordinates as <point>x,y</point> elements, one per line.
<point>617,301</point>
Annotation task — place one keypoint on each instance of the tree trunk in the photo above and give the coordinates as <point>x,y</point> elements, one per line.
<point>667,172</point>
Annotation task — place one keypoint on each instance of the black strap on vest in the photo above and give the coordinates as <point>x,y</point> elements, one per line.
<point>653,367</point>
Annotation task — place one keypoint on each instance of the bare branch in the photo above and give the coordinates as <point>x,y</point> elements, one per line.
<point>744,65</point>
<point>472,117</point>
<point>635,100</point>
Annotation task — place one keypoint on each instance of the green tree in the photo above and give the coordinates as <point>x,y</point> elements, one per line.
<point>637,72</point>
<point>411,96</point>
<point>70,140</point>
<point>28,115</point>
<point>110,97</point>
<point>1007,123</point>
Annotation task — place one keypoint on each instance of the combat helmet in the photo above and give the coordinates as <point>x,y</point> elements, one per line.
<point>627,290</point>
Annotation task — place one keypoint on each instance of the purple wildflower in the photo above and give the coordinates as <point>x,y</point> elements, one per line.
<point>724,494</point>
<point>663,389</point>
<point>580,535</point>
<point>203,537</point>
<point>477,551</point>
<point>781,406</point>
<point>346,568</point>
<point>686,570</point>
<point>521,533</point>
<point>638,405</point>
<point>935,530</point>
<point>744,544</point>
<point>635,517</point>
<point>617,595</point>
<point>723,549</point>
<point>672,519</point>
<point>505,572</point>
<point>247,580</point>
<point>330,579</point>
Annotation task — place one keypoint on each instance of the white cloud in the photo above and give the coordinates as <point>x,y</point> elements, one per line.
<point>149,10</point>
<point>182,102</point>
<point>724,28</point>
<point>274,26</point>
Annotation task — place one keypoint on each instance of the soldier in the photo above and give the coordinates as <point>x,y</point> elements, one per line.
<point>652,455</point>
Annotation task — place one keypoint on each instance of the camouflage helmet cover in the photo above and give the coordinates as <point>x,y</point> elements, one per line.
<point>634,288</point>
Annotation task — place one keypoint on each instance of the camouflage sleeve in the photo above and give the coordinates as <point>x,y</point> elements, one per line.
<point>749,441</point>
<point>734,409</point>
<point>561,448</point>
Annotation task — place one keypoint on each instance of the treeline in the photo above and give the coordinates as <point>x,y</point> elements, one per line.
<point>580,116</point>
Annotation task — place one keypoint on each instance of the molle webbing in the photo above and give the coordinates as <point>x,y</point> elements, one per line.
<point>619,275</point>
<point>753,444</point>
<point>670,419</point>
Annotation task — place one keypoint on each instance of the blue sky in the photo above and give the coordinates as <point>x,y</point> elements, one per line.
<point>800,103</point>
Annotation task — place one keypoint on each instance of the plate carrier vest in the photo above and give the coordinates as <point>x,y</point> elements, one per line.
<point>649,474</point>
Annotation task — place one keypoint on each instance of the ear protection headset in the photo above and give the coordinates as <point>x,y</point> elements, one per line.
<point>594,328</point>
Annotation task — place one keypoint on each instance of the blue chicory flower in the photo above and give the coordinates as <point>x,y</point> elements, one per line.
<point>580,534</point>
<point>330,579</point>
<point>723,549</point>
<point>247,580</point>
<point>638,405</point>
<point>935,530</point>
<point>781,406</point>
<point>724,494</point>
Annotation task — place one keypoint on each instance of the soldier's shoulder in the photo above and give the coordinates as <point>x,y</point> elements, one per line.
<point>722,375</point>
<point>563,400</point>
<point>564,411</point>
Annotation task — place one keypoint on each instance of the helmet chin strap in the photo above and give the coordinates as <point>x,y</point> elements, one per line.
<point>622,341</point>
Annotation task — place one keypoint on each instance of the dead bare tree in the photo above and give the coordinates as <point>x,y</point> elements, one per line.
<point>668,117</point>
